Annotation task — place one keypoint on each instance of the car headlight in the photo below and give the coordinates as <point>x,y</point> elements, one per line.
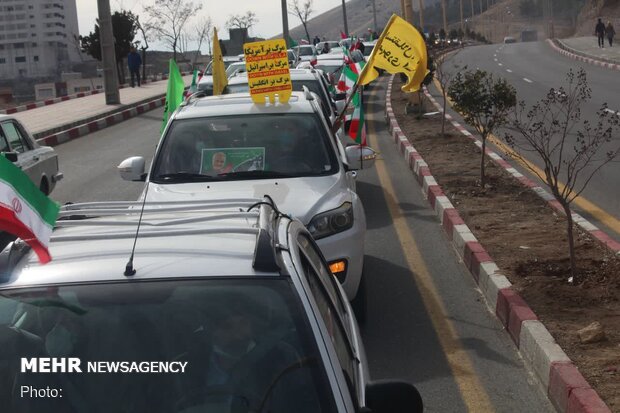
<point>332,222</point>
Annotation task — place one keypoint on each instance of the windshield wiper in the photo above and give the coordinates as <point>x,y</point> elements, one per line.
<point>185,177</point>
<point>256,174</point>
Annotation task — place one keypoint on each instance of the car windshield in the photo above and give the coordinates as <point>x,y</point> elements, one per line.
<point>234,68</point>
<point>161,346</point>
<point>305,51</point>
<point>209,69</point>
<point>245,147</point>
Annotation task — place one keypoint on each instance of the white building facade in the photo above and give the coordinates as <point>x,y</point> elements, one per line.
<point>38,38</point>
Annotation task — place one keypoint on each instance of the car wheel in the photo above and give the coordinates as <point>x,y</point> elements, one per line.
<point>44,187</point>
<point>359,303</point>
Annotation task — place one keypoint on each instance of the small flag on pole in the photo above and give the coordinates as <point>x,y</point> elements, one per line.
<point>357,127</point>
<point>174,93</point>
<point>194,86</point>
<point>220,81</point>
<point>25,211</point>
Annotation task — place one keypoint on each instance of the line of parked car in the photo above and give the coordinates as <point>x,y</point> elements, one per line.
<point>242,258</point>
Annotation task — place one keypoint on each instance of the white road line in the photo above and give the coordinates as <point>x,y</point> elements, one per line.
<point>500,64</point>
<point>527,80</point>
<point>509,71</point>
<point>615,112</point>
<point>495,60</point>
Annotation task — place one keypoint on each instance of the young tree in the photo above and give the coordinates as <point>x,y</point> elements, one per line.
<point>145,30</point>
<point>169,20</point>
<point>484,103</point>
<point>571,148</point>
<point>303,12</point>
<point>444,75</point>
<point>202,34</point>
<point>124,29</point>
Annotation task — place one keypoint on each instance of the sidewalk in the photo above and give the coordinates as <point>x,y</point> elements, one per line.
<point>65,115</point>
<point>588,47</point>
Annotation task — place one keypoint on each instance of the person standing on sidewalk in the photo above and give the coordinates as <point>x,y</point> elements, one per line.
<point>611,32</point>
<point>599,30</point>
<point>134,61</point>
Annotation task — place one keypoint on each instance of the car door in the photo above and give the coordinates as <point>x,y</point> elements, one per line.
<point>337,315</point>
<point>23,147</point>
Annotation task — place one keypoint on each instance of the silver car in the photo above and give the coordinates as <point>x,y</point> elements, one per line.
<point>215,306</point>
<point>40,163</point>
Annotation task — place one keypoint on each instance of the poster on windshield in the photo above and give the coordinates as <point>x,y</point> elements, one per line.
<point>268,74</point>
<point>224,160</point>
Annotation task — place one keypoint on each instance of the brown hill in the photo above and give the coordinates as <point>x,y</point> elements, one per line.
<point>605,9</point>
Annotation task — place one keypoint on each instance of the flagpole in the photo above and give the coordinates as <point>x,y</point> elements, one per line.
<point>338,120</point>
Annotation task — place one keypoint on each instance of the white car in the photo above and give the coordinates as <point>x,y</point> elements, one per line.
<point>206,81</point>
<point>40,163</point>
<point>225,306</point>
<point>228,147</point>
<point>305,53</point>
<point>234,68</point>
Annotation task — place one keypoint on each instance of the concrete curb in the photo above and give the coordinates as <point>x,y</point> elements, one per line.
<point>567,51</point>
<point>102,123</point>
<point>560,379</point>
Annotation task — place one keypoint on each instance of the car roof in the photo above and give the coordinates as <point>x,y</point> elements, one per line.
<point>211,238</point>
<point>6,117</point>
<point>296,74</point>
<point>237,103</point>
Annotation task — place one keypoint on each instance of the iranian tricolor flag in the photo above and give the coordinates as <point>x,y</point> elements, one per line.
<point>357,127</point>
<point>24,210</point>
<point>349,76</point>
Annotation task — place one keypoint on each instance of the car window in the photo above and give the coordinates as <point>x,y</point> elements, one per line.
<point>305,51</point>
<point>245,146</point>
<point>333,323</point>
<point>4,146</point>
<point>314,86</point>
<point>177,346</point>
<point>15,138</point>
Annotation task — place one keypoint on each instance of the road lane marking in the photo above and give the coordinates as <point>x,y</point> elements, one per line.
<point>585,204</point>
<point>495,60</point>
<point>473,393</point>
<point>500,64</point>
<point>509,71</point>
<point>527,80</point>
<point>613,112</point>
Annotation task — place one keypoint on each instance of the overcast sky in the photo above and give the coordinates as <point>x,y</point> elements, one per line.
<point>268,13</point>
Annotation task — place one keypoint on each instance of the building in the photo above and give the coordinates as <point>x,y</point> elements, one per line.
<point>234,45</point>
<point>38,38</point>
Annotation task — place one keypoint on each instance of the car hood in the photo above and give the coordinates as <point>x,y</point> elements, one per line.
<point>302,198</point>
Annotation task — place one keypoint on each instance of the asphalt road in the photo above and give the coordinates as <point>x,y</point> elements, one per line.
<point>426,323</point>
<point>533,69</point>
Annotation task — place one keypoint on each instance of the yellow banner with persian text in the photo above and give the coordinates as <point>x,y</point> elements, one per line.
<point>400,49</point>
<point>268,74</point>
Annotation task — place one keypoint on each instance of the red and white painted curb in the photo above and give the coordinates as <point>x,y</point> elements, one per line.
<point>564,385</point>
<point>573,54</point>
<point>85,129</point>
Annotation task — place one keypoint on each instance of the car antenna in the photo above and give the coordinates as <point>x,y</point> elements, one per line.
<point>129,269</point>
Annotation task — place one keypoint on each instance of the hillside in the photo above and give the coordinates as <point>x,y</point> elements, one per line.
<point>606,9</point>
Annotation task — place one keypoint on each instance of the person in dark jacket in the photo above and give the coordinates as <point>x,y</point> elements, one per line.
<point>610,32</point>
<point>134,61</point>
<point>599,30</point>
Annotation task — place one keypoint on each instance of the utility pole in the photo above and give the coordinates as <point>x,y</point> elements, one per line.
<point>421,5</point>
<point>472,8</point>
<point>285,32</point>
<point>344,17</point>
<point>108,57</point>
<point>462,26</point>
<point>408,11</point>
<point>374,16</point>
<point>445,19</point>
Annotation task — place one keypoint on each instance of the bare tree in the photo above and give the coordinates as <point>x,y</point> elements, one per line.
<point>145,30</point>
<point>571,149</point>
<point>444,75</point>
<point>484,103</point>
<point>242,21</point>
<point>202,34</point>
<point>303,12</point>
<point>169,19</point>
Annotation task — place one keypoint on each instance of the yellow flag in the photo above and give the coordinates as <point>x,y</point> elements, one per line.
<point>400,49</point>
<point>217,68</point>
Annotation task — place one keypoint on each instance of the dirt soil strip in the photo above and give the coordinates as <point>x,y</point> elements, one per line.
<point>527,237</point>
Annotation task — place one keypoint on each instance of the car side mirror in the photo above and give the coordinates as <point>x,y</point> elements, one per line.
<point>132,169</point>
<point>386,396</point>
<point>360,157</point>
<point>11,156</point>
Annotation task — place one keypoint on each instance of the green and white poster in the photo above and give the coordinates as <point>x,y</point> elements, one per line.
<point>224,160</point>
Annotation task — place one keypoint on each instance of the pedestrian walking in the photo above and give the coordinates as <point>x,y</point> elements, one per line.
<point>134,61</point>
<point>599,30</point>
<point>610,32</point>
<point>316,40</point>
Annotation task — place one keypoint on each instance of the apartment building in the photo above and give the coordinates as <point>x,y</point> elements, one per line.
<point>38,38</point>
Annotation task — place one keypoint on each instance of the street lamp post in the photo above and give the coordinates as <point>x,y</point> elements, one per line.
<point>374,15</point>
<point>108,56</point>
<point>421,11</point>
<point>285,22</point>
<point>344,17</point>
